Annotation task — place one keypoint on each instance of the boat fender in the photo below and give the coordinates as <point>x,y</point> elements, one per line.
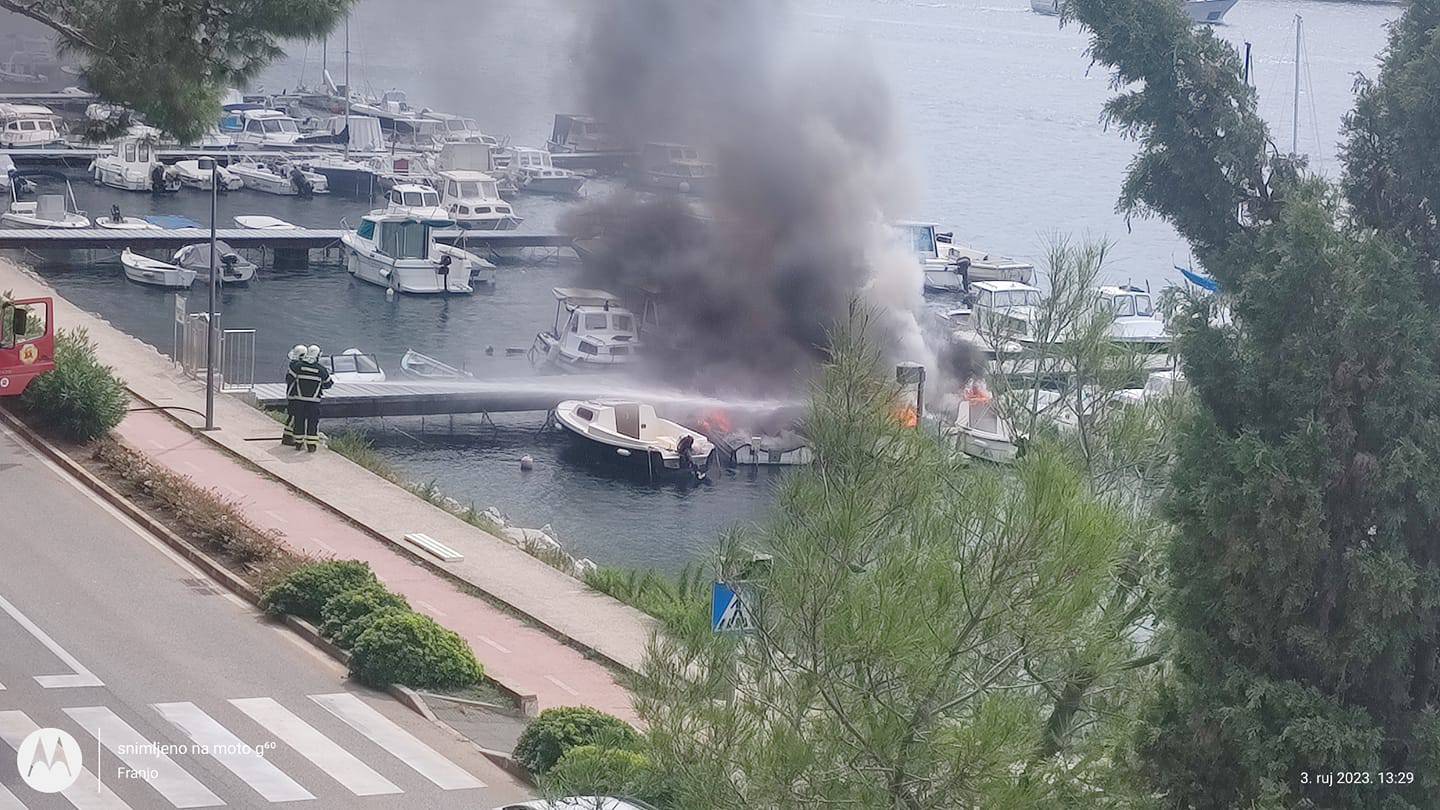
<point>623,452</point>
<point>527,463</point>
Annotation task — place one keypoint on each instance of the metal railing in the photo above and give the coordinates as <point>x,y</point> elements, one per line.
<point>235,369</point>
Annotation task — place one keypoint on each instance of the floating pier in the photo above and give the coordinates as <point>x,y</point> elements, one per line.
<point>280,239</point>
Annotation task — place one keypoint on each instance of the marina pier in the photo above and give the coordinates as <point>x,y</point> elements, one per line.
<point>281,239</point>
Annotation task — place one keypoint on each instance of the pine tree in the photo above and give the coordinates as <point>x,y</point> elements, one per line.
<point>171,60</point>
<point>1304,593</point>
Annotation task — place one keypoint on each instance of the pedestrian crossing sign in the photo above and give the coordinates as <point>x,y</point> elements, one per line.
<point>730,609</point>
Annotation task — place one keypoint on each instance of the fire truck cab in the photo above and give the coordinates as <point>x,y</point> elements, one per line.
<point>27,342</point>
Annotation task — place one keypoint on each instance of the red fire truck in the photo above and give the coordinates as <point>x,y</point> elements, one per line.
<point>27,342</point>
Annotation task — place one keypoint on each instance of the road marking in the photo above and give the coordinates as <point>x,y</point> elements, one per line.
<point>272,513</point>
<point>80,677</point>
<point>382,731</point>
<point>233,753</point>
<point>131,747</point>
<point>321,543</point>
<point>8,800</point>
<point>88,793</point>
<point>340,764</point>
<point>561,684</point>
<point>430,607</point>
<point>493,643</point>
<point>2,687</point>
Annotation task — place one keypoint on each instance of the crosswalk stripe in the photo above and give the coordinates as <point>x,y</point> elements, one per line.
<point>87,793</point>
<point>230,751</point>
<point>385,733</point>
<point>141,755</point>
<point>8,800</point>
<point>340,764</point>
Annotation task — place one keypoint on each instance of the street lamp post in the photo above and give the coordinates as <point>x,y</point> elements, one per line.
<point>210,314</point>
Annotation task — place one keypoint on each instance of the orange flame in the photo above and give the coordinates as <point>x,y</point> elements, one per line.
<point>716,423</point>
<point>906,416</point>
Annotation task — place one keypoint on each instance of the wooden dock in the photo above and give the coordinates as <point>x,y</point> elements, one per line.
<point>280,239</point>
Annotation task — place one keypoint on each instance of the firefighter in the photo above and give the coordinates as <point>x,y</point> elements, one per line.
<point>311,380</point>
<point>292,402</point>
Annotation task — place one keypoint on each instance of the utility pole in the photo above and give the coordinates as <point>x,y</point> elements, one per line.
<point>210,314</point>
<point>1295,110</point>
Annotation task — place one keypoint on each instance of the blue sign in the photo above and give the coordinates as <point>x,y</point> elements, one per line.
<point>730,609</point>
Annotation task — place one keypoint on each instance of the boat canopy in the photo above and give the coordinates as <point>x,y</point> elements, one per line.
<point>585,296</point>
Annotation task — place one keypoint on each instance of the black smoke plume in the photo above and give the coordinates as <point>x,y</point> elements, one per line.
<point>810,166</point>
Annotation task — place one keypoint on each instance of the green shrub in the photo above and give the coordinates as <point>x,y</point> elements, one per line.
<point>81,398</point>
<point>407,648</point>
<point>304,592</point>
<point>555,731</point>
<point>341,615</point>
<point>594,770</point>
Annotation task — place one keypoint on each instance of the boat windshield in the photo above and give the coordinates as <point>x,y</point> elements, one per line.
<point>455,125</point>
<point>471,125</point>
<point>1126,306</point>
<point>1017,298</point>
<point>279,125</point>
<point>404,240</point>
<point>421,198</point>
<point>354,364</point>
<point>922,238</point>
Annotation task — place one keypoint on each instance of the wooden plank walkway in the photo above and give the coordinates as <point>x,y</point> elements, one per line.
<point>418,398</point>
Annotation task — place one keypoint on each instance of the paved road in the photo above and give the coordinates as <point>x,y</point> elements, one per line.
<point>106,634</point>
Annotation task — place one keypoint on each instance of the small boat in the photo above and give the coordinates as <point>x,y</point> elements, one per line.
<point>786,449</point>
<point>263,223</point>
<point>7,166</point>
<point>253,126</point>
<point>1201,11</point>
<point>234,269</point>
<point>632,431</point>
<point>353,366</point>
<point>534,172</point>
<point>119,222</point>
<point>426,367</point>
<point>675,167</point>
<point>279,176</point>
<point>49,211</point>
<point>145,270</point>
<point>457,129</point>
<point>29,126</point>
<point>397,252</point>
<point>592,332</point>
<point>192,176</point>
<point>585,143</point>
<point>418,202</point>
<point>473,200</point>
<point>134,166</point>
<point>981,432</point>
<point>1137,325</point>
<point>980,265</point>
<point>1004,316</point>
<point>1157,385</point>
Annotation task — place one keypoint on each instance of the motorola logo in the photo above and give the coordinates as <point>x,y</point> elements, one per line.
<point>49,760</point>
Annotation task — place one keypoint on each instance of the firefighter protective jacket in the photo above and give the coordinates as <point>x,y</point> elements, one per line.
<point>311,380</point>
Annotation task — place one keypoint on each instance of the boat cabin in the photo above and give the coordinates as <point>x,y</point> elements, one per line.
<point>418,201</point>
<point>397,236</point>
<point>920,237</point>
<point>594,325</point>
<point>1005,306</point>
<point>582,133</point>
<point>675,166</point>
<point>473,198</point>
<point>261,127</point>
<point>1137,323</point>
<point>457,129</point>
<point>29,125</point>
<point>1127,302</point>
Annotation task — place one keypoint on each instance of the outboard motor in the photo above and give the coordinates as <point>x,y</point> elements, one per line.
<point>443,269</point>
<point>684,448</point>
<point>115,215</point>
<point>227,265</point>
<point>301,183</point>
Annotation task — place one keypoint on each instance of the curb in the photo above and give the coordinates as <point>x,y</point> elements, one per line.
<point>396,545</point>
<point>307,631</point>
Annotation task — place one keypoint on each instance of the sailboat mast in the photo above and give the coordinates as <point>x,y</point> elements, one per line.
<point>347,87</point>
<point>1295,110</point>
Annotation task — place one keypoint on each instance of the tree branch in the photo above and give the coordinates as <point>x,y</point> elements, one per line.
<point>35,11</point>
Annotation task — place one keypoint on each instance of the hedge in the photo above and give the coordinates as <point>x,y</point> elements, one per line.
<point>345,615</point>
<point>81,398</point>
<point>594,770</point>
<point>407,648</point>
<point>555,731</point>
<point>306,590</point>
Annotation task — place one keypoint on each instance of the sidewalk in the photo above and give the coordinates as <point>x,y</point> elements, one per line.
<point>520,656</point>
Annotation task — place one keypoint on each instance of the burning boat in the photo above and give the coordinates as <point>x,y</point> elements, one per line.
<point>591,332</point>
<point>632,431</point>
<point>981,431</point>
<point>785,449</point>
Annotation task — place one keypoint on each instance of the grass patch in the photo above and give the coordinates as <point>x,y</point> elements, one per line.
<point>671,599</point>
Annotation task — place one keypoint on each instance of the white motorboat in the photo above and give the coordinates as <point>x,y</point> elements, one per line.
<point>234,268</point>
<point>263,223</point>
<point>279,176</point>
<point>145,270</point>
<point>119,222</point>
<point>397,252</point>
<point>418,202</point>
<point>134,165</point>
<point>675,167</point>
<point>252,126</point>
<point>981,432</point>
<point>1137,325</point>
<point>426,367</point>
<point>25,126</point>
<point>1201,11</point>
<point>1158,384</point>
<point>583,134</point>
<point>786,449</point>
<point>353,366</point>
<point>192,176</point>
<point>592,332</point>
<point>473,201</point>
<point>1003,317</point>
<point>980,265</point>
<point>482,270</point>
<point>921,237</point>
<point>632,430</point>
<point>51,211</point>
<point>457,129</point>
<point>533,171</point>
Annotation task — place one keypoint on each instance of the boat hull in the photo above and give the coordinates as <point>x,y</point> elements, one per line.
<point>1210,12</point>
<point>986,446</point>
<point>13,220</point>
<point>555,186</point>
<point>634,455</point>
<point>156,274</point>
<point>1050,8</point>
<point>406,276</point>
<point>493,223</point>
